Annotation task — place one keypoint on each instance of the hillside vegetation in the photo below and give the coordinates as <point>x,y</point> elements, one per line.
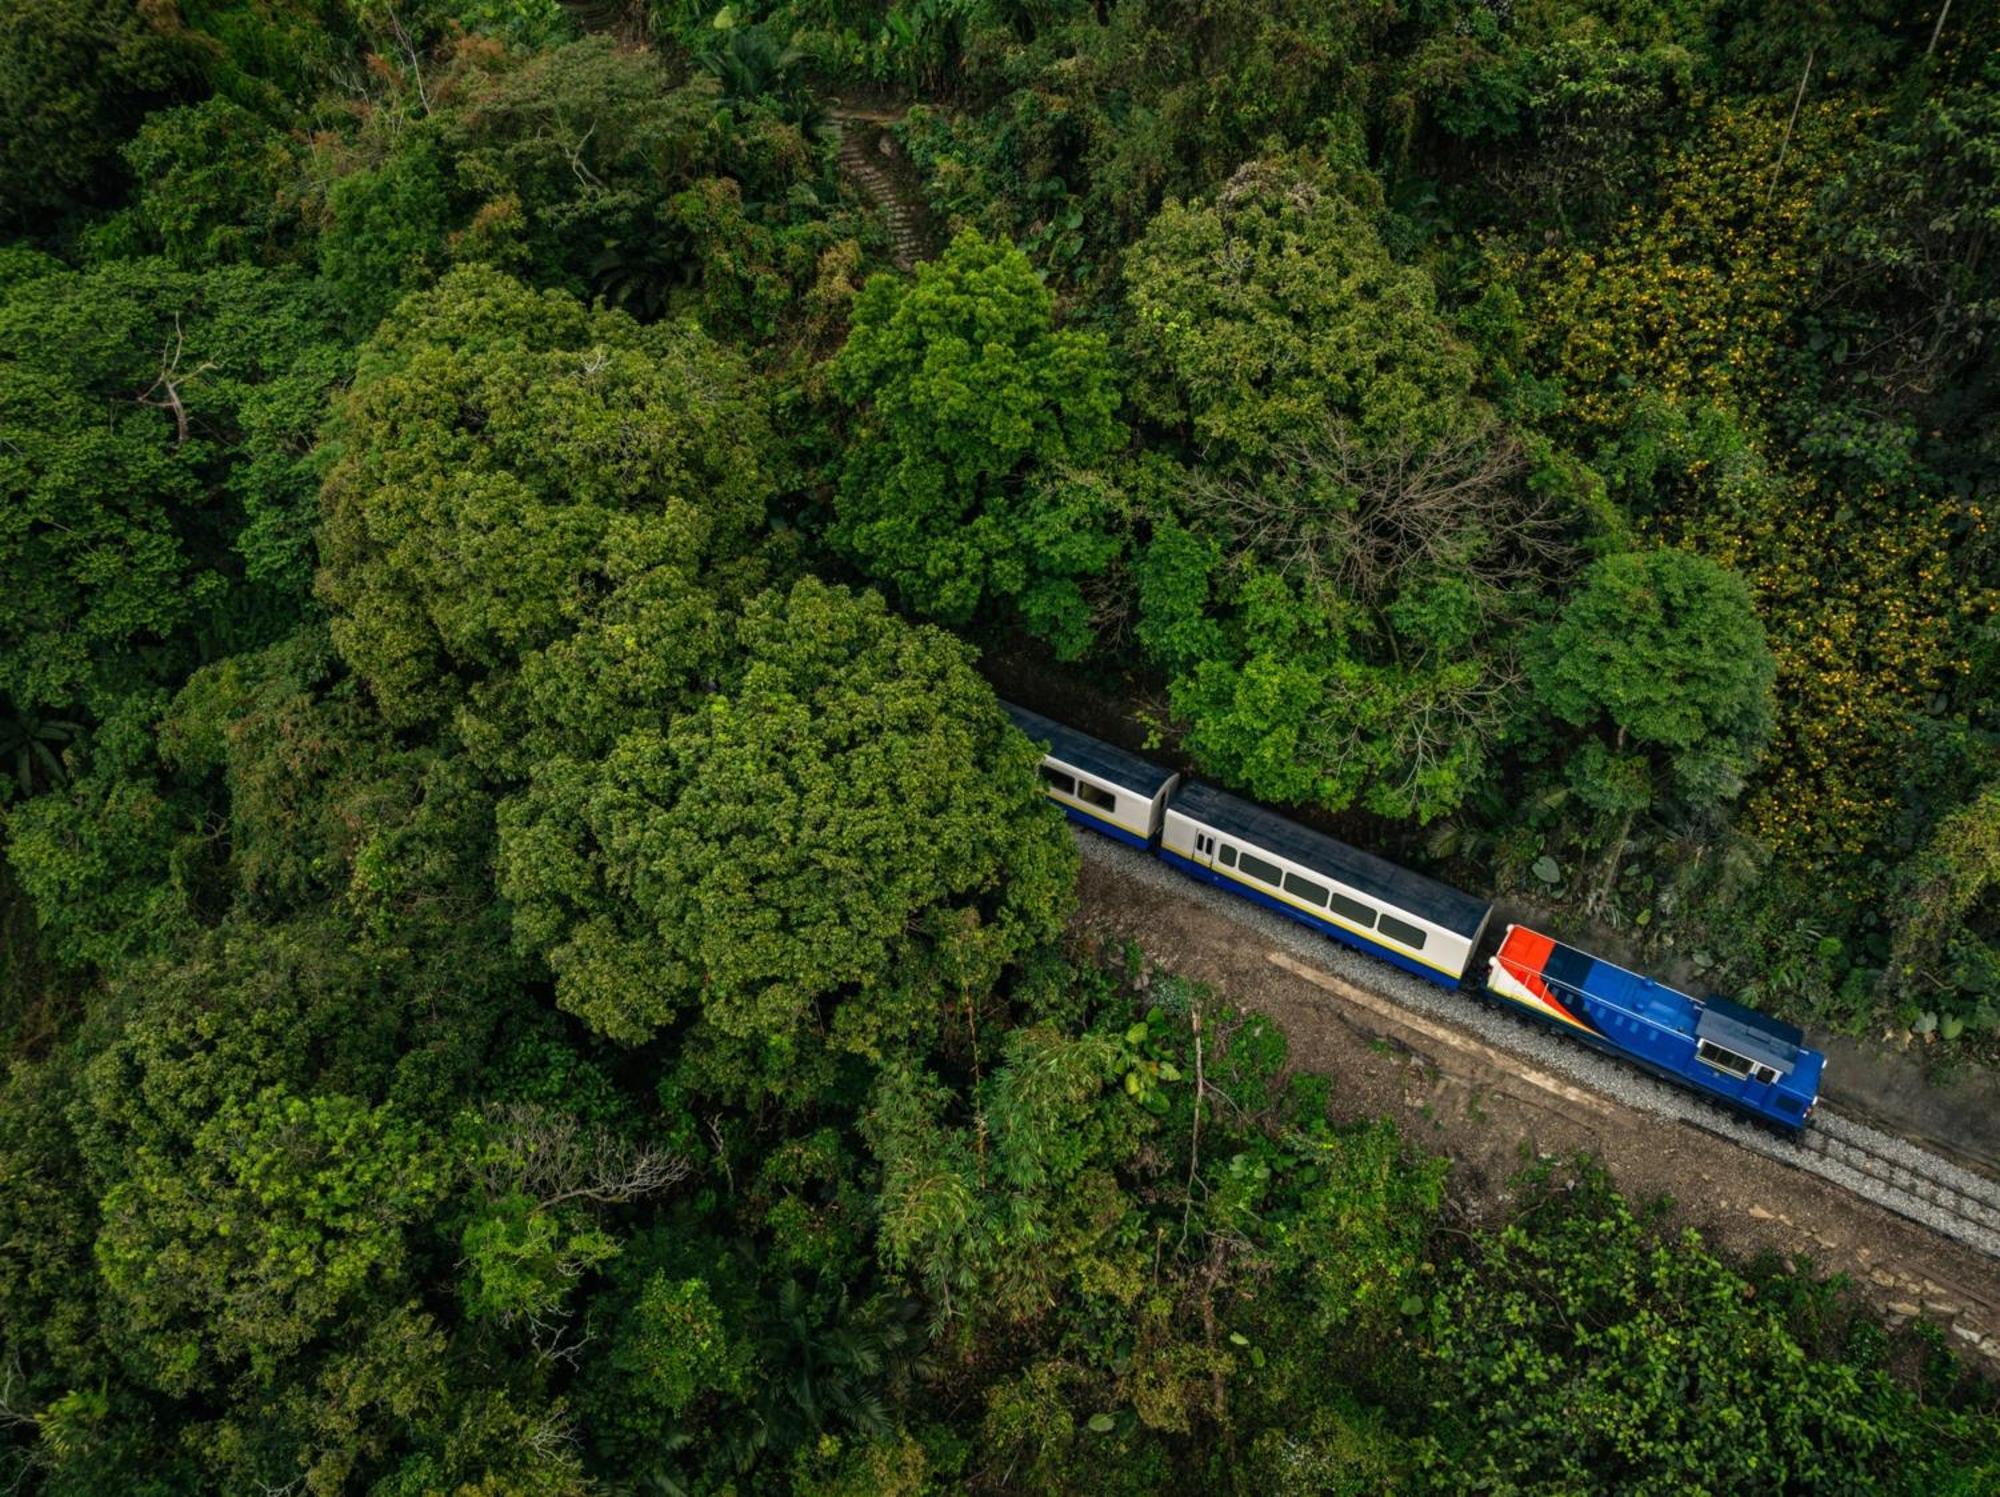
<point>531,961</point>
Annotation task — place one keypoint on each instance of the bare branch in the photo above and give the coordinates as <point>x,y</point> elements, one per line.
<point>1797,99</point>
<point>555,1159</point>
<point>170,380</point>
<point>1332,514</point>
<point>551,1339</point>
<point>574,151</point>
<point>13,1383</point>
<point>409,46</point>
<point>1937,30</point>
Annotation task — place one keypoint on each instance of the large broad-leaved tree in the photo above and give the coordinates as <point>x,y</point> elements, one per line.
<point>1276,305</point>
<point>153,476</point>
<point>506,460</point>
<point>845,839</point>
<point>1660,660</point>
<point>972,411</point>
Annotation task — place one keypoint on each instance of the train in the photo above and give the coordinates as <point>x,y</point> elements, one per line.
<point>1749,1062</point>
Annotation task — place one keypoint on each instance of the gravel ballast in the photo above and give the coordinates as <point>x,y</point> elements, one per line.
<point>1623,1084</point>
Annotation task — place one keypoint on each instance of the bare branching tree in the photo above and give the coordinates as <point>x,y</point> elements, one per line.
<point>555,1340</point>
<point>554,1158</point>
<point>1334,513</point>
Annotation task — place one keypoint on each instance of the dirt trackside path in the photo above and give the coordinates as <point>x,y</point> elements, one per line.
<point>1455,1094</point>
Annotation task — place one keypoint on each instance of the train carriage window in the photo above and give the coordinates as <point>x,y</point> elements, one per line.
<point>1091,795</point>
<point>1306,889</point>
<point>1401,930</point>
<point>1228,856</point>
<point>1058,780</point>
<point>1765,1074</point>
<point>1257,868</point>
<point>1724,1060</point>
<point>1354,911</point>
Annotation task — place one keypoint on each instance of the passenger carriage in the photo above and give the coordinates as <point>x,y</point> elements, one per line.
<point>1417,923</point>
<point>1734,1054</point>
<point>1096,784</point>
<point>1746,1059</point>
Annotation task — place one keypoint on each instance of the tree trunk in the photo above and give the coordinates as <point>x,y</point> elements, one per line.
<point>1598,896</point>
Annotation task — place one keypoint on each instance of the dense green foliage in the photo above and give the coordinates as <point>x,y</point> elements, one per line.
<point>522,973</point>
<point>959,486</point>
<point>507,460</point>
<point>1425,310</point>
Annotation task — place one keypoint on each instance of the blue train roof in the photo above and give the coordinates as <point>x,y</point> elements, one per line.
<point>1579,971</point>
<point>1426,898</point>
<point>1769,1041</point>
<point>1091,755</point>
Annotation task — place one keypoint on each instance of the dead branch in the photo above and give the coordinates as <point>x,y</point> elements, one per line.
<point>551,1338</point>
<point>1797,99</point>
<point>409,46</point>
<point>722,1151</point>
<point>554,1158</point>
<point>170,380</point>
<point>13,1382</point>
<point>1334,514</point>
<point>1937,30</point>
<point>574,151</point>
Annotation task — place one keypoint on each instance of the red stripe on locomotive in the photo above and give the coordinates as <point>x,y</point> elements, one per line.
<point>1524,955</point>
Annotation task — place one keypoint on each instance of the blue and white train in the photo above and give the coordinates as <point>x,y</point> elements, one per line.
<point>1744,1059</point>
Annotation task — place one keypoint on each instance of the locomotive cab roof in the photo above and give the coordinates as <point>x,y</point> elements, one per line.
<point>1760,1037</point>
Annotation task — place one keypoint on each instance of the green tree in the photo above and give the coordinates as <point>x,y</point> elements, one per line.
<point>675,1346</point>
<point>1580,1349</point>
<point>1301,707</point>
<point>157,423</point>
<point>954,1216</point>
<point>504,459</point>
<point>1080,133</point>
<point>102,858</point>
<point>592,168</point>
<point>76,77</point>
<point>1276,305</point>
<point>386,225</point>
<point>1906,224</point>
<point>1340,628</point>
<point>841,842</point>
<point>1567,102</point>
<point>267,784</point>
<point>1660,656</point>
<point>1945,954</point>
<point>971,408</point>
<point>287,1210</point>
<point>216,185</point>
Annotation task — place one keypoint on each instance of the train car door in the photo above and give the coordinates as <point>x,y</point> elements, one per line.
<point>1156,813</point>
<point>1204,848</point>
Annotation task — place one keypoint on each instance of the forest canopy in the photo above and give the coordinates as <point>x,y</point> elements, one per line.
<point>532,960</point>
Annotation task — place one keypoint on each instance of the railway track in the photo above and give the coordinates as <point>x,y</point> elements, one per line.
<point>1890,1172</point>
<point>1906,1179</point>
